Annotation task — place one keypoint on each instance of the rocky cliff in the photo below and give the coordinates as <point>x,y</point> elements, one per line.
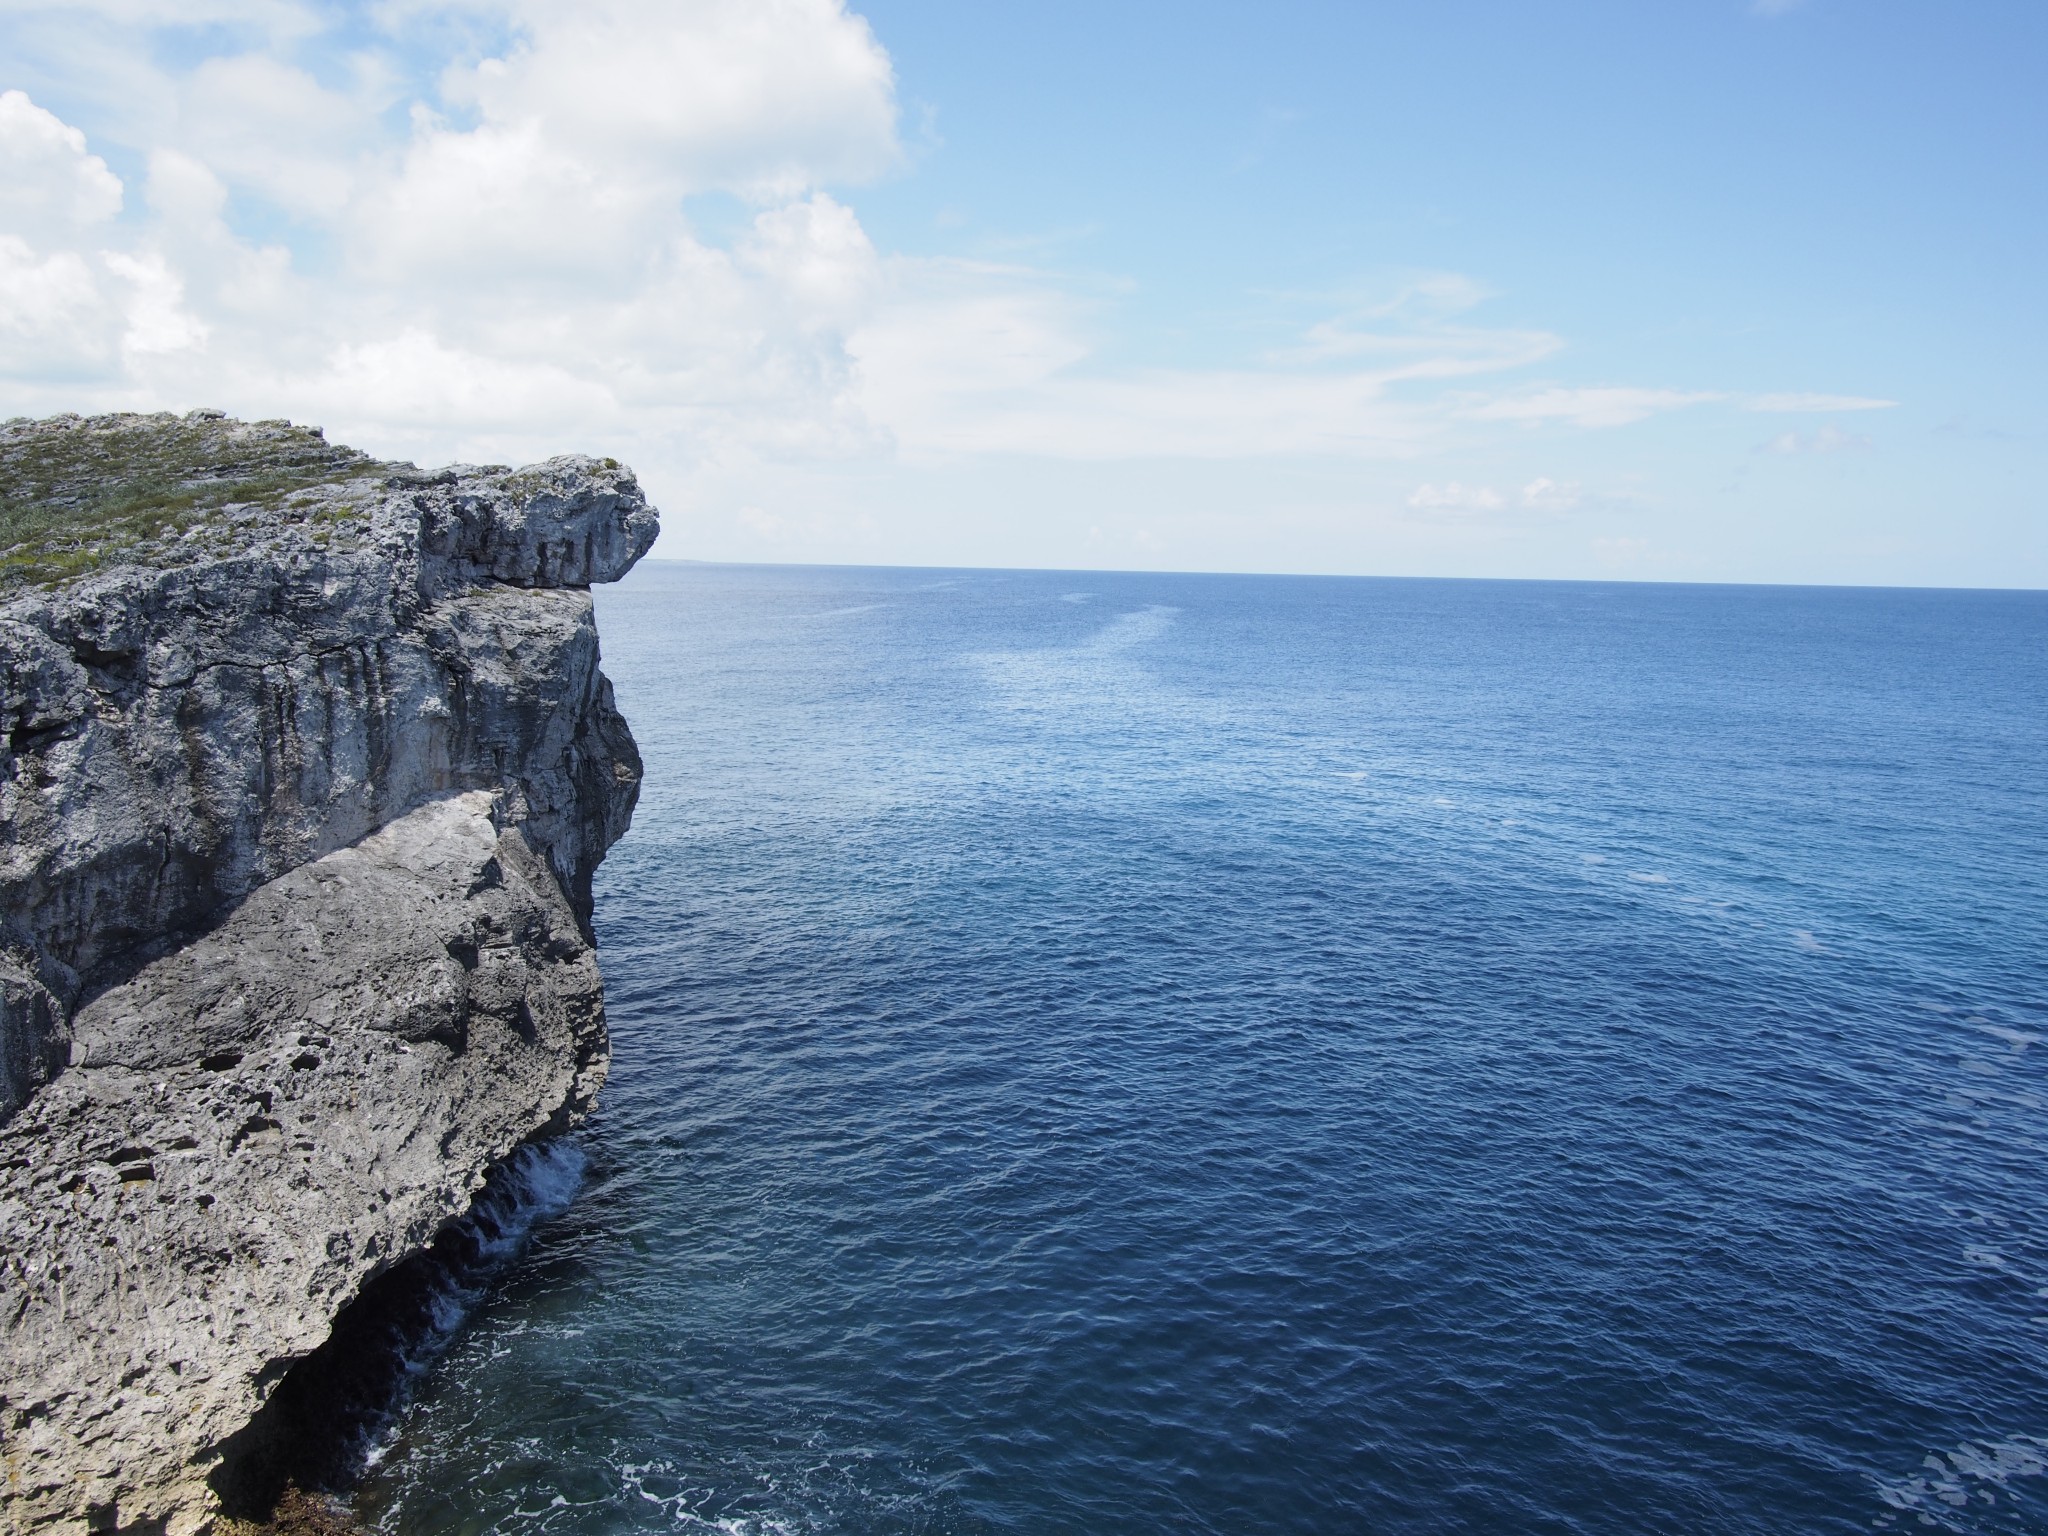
<point>308,762</point>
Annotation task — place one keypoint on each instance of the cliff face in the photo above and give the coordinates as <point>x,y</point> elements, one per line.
<point>304,788</point>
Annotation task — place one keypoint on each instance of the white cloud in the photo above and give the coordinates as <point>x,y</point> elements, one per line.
<point>1542,494</point>
<point>272,128</point>
<point>1415,323</point>
<point>1597,407</point>
<point>770,98</point>
<point>817,259</point>
<point>56,319</point>
<point>469,229</point>
<point>184,192</point>
<point>1803,403</point>
<point>499,205</point>
<point>506,262</point>
<point>1456,497</point>
<point>71,311</point>
<point>1546,495</point>
<point>951,369</point>
<point>964,358</point>
<point>157,319</point>
<point>280,17</point>
<point>50,184</point>
<point>600,118</point>
<point>420,378</point>
<point>1826,440</point>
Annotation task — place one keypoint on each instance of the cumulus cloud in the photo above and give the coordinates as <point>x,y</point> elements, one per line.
<point>51,186</point>
<point>764,97</point>
<point>478,229</point>
<point>273,129</point>
<point>73,311</point>
<point>498,253</point>
<point>56,321</point>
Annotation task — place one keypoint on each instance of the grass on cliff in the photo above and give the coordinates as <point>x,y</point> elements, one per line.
<point>77,493</point>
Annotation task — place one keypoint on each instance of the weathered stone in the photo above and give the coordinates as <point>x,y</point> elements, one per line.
<point>299,811</point>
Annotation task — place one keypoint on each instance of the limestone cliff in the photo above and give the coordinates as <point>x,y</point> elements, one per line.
<point>308,762</point>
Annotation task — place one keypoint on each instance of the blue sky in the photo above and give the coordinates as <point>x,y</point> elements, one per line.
<point>1699,290</point>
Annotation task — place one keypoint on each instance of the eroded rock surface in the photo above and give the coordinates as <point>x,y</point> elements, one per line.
<point>302,799</point>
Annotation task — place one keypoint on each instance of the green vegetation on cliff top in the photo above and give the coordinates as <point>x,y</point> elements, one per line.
<point>78,493</point>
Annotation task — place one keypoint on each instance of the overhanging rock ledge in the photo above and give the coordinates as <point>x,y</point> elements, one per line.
<point>308,765</point>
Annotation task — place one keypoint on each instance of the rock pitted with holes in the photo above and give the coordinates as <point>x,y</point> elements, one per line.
<point>308,764</point>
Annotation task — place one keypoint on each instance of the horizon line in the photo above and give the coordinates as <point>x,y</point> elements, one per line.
<point>1089,570</point>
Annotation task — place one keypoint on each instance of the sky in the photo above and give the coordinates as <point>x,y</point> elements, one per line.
<point>1700,290</point>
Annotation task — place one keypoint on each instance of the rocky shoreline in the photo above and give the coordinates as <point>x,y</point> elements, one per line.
<point>309,763</point>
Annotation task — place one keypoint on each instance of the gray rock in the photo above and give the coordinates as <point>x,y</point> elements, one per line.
<point>303,793</point>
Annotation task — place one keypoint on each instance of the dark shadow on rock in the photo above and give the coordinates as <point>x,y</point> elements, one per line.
<point>330,1409</point>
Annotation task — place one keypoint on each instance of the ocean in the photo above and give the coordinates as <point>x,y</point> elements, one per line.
<point>1131,1053</point>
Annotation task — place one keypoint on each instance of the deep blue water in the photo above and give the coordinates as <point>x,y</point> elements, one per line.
<point>1218,1054</point>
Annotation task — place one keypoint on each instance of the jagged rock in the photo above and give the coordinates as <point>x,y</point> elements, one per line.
<point>305,782</point>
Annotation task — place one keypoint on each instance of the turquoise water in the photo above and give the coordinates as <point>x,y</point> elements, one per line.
<point>1214,1054</point>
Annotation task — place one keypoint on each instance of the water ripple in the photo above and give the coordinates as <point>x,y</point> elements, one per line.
<point>1258,1055</point>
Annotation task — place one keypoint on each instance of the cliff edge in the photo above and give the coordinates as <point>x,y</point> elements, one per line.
<point>308,762</point>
